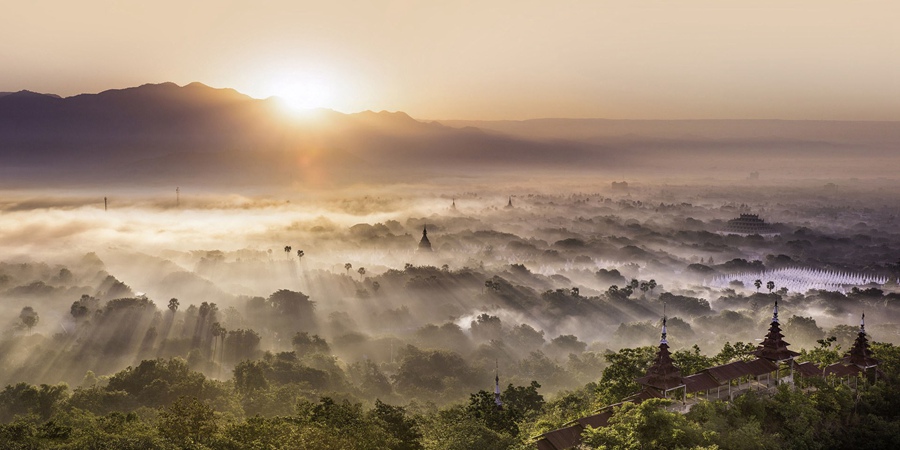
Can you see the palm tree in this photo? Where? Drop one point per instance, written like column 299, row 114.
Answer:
column 218, row 332
column 757, row 283
column 300, row 254
column 287, row 249
column 576, row 292
column 215, row 330
column 347, row 267
column 652, row 285
column 770, row 285
column 173, row 305
column 362, row 272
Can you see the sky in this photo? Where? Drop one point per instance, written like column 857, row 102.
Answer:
column 487, row 59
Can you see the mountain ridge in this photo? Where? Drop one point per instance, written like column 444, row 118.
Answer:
column 154, row 130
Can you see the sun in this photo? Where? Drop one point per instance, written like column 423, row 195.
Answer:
column 301, row 94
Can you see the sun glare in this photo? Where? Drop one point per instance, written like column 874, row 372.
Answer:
column 303, row 94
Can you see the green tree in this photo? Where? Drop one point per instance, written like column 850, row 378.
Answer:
column 455, row 428
column 738, row 351
column 404, row 429
column 691, row 361
column 803, row 331
column 188, row 423
column 823, row 354
column 304, row 344
column 624, row 367
column 645, row 426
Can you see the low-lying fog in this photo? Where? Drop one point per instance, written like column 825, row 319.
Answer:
column 543, row 286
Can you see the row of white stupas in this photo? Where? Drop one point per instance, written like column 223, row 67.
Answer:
column 799, row 279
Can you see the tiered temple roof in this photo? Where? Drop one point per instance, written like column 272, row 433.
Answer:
column 774, row 347
column 662, row 374
column 860, row 355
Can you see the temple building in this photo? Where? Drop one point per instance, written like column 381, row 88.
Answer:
column 425, row 244
column 662, row 376
column 858, row 362
column 748, row 225
column 774, row 348
column 860, row 355
column 734, row 378
column 509, row 205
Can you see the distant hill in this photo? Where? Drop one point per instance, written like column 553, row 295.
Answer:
column 165, row 133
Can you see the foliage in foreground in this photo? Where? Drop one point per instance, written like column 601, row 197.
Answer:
column 145, row 407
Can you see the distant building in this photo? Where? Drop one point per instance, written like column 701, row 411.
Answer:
column 748, row 225
column 509, row 205
column 425, row 244
column 498, row 402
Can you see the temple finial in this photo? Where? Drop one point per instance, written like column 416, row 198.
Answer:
column 663, row 339
column 862, row 323
column 497, row 401
column 775, row 313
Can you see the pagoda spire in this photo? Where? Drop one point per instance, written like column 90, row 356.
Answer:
column 497, row 401
column 662, row 375
column 774, row 347
column 775, row 313
column 425, row 244
column 662, row 339
column 860, row 355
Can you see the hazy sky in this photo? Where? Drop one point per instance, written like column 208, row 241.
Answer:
column 512, row 59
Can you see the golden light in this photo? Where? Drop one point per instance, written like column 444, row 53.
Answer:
column 301, row 94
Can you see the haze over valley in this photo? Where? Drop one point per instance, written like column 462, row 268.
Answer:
column 449, row 226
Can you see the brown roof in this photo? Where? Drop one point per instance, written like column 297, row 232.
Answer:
column 597, row 420
column 728, row 372
column 808, row 369
column 700, row 382
column 760, row 366
column 840, row 370
column 860, row 355
column 645, row 394
column 774, row 347
column 662, row 374
column 560, row 439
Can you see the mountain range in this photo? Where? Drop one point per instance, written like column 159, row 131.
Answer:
column 165, row 133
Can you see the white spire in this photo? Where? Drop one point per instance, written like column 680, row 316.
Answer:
column 662, row 339
column 775, row 314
